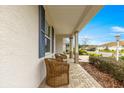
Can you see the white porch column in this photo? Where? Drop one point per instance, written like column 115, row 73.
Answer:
column 71, row 47
column 76, row 48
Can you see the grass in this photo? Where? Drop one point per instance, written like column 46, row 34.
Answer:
column 106, row 50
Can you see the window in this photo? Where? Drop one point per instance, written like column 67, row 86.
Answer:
column 47, row 37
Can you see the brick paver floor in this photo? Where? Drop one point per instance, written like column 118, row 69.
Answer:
column 79, row 78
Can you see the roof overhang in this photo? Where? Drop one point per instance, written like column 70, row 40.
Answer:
column 66, row 19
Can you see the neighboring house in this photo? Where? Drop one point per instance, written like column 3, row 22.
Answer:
column 28, row 34
column 89, row 47
column 111, row 46
column 101, row 47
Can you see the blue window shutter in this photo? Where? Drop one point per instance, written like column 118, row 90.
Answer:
column 41, row 32
column 52, row 40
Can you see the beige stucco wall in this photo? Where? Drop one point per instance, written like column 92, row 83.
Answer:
column 19, row 63
column 60, row 46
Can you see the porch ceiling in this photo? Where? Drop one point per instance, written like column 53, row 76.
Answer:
column 68, row 19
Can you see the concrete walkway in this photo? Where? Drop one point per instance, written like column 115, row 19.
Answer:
column 79, row 78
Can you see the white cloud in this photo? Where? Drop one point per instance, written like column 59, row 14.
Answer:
column 118, row 29
column 85, row 37
column 95, row 42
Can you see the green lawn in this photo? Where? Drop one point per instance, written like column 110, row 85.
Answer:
column 109, row 51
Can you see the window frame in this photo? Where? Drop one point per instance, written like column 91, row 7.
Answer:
column 48, row 37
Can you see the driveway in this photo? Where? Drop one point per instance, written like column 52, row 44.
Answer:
column 83, row 58
column 105, row 54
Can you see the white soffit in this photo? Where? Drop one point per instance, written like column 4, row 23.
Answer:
column 68, row 18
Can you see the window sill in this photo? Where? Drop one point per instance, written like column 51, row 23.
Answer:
column 48, row 53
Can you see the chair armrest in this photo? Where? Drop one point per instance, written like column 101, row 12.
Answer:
column 63, row 56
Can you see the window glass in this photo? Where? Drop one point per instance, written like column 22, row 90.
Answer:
column 47, row 37
column 47, row 45
column 47, row 29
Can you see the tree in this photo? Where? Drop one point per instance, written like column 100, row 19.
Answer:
column 85, row 40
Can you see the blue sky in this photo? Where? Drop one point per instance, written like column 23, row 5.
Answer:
column 102, row 28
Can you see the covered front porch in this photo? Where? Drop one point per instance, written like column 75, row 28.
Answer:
column 68, row 22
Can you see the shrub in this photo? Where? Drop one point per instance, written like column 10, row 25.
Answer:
column 93, row 60
column 107, row 50
column 112, row 50
column 82, row 52
column 122, row 50
column 122, row 57
column 109, row 65
column 93, row 54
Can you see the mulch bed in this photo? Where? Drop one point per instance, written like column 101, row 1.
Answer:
column 104, row 79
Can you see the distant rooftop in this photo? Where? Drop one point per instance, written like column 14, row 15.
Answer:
column 113, row 44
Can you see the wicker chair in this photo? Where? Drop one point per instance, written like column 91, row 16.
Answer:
column 61, row 57
column 57, row 73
